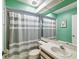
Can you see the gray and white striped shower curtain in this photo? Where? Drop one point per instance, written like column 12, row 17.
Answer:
column 23, row 34
column 49, row 28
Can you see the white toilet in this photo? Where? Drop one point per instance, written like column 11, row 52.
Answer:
column 34, row 54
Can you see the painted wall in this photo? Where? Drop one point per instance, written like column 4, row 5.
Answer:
column 15, row 4
column 52, row 15
column 65, row 34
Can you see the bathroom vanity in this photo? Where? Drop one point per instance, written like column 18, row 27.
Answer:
column 45, row 55
column 57, row 50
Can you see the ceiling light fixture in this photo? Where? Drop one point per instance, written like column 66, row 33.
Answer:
column 34, row 2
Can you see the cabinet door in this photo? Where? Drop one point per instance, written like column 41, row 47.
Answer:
column 42, row 57
column 45, row 56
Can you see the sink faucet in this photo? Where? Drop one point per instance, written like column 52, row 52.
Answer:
column 62, row 47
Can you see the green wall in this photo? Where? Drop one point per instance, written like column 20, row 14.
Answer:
column 15, row 4
column 52, row 15
column 65, row 34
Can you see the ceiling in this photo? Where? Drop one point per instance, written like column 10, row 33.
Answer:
column 43, row 7
column 68, row 7
column 33, row 3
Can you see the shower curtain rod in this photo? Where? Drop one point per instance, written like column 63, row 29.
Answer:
column 30, row 13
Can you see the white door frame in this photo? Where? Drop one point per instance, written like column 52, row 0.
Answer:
column 74, row 30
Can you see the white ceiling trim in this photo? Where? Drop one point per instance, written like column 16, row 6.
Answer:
column 51, row 5
column 43, row 5
column 68, row 7
column 30, row 2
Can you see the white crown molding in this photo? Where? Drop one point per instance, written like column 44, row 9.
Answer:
column 68, row 7
column 43, row 5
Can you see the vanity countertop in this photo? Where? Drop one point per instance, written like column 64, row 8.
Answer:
column 47, row 48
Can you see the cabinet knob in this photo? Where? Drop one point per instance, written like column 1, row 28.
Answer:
column 73, row 35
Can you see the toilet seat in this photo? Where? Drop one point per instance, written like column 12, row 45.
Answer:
column 34, row 54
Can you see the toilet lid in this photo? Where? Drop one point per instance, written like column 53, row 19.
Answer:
column 34, row 52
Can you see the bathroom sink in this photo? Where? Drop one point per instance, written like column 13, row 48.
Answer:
column 63, row 52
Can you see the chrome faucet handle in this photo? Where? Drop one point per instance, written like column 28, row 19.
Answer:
column 61, row 46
